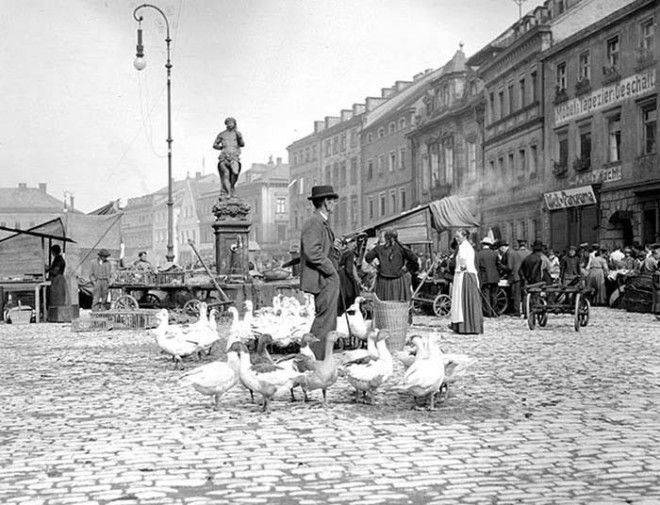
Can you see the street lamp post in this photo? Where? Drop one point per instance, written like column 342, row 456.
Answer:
column 139, row 64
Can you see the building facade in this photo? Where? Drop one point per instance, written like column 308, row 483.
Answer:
column 304, row 173
column 23, row 208
column 601, row 130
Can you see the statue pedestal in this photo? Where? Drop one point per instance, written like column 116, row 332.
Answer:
column 232, row 232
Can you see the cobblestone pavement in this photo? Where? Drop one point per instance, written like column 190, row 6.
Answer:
column 549, row 416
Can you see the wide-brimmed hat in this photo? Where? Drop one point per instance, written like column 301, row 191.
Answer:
column 537, row 245
column 104, row 253
column 322, row 192
column 501, row 243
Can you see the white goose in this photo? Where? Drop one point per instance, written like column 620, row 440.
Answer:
column 367, row 376
column 427, row 373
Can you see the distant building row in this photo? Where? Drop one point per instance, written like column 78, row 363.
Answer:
column 551, row 127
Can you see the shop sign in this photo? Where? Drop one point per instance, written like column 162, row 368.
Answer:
column 597, row 176
column 606, row 96
column 573, row 197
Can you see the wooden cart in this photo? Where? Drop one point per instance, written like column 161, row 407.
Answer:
column 542, row 299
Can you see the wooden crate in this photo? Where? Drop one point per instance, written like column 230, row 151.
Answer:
column 90, row 324
column 129, row 319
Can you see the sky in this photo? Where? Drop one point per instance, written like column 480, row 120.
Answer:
column 77, row 115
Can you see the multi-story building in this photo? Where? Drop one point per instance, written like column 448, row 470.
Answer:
column 265, row 186
column 387, row 176
column 603, row 171
column 446, row 138
column 22, row 207
column 513, row 141
column 340, row 158
column 304, row 173
column 137, row 226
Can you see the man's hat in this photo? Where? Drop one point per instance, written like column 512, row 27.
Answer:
column 584, row 245
column 319, row 192
column 487, row 240
column 104, row 253
column 537, row 245
column 142, row 252
column 572, row 248
column 595, row 246
column 501, row 243
column 627, row 250
column 522, row 242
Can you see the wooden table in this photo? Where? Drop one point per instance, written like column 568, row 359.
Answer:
column 39, row 293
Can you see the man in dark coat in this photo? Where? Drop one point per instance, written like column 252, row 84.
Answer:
column 319, row 255
column 531, row 269
column 489, row 275
column 510, row 264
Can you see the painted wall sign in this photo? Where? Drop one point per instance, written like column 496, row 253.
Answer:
column 573, row 197
column 606, row 96
column 597, row 176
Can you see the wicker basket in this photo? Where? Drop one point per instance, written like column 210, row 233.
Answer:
column 19, row 316
column 90, row 324
column 129, row 319
column 177, row 278
column 393, row 317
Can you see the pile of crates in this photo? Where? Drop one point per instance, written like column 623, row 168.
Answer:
column 139, row 319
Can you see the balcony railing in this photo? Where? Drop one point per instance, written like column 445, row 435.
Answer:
column 611, row 74
column 644, row 58
column 561, row 95
column 560, row 168
column 582, row 86
column 581, row 164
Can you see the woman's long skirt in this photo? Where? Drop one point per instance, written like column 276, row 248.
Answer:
column 394, row 289
column 473, row 318
column 596, row 281
column 58, row 291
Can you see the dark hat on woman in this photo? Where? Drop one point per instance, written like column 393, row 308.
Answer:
column 104, row 253
column 319, row 192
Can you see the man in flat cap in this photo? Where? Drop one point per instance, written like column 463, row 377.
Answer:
column 229, row 143
column 100, row 276
column 319, row 259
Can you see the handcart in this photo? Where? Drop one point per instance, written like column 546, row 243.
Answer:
column 542, row 299
column 432, row 292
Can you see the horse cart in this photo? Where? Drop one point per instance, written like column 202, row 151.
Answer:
column 542, row 299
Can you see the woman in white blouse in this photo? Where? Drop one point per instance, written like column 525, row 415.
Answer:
column 466, row 311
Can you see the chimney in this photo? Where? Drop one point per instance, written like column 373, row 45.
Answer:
column 373, row 102
column 417, row 77
column 386, row 92
column 401, row 85
column 270, row 159
column 198, row 175
column 42, row 187
column 358, row 108
column 22, row 185
column 346, row 114
column 279, row 160
column 331, row 121
column 319, row 126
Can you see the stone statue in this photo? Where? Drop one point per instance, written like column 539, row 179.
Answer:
column 229, row 143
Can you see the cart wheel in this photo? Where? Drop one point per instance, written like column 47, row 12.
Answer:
column 417, row 307
column 192, row 307
column 442, row 305
column 501, row 301
column 576, row 314
column 531, row 315
column 583, row 312
column 542, row 316
column 340, row 344
column 151, row 300
column 125, row 302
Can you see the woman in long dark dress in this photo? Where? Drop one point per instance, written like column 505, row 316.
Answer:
column 349, row 284
column 466, row 308
column 58, row 289
column 392, row 283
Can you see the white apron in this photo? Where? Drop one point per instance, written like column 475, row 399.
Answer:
column 465, row 263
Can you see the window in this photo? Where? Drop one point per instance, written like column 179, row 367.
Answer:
column 381, row 132
column 301, row 186
column 393, row 200
column 449, row 163
column 535, row 86
column 353, row 138
column 402, row 123
column 354, row 171
column 491, row 102
column 327, row 148
column 502, row 110
column 584, row 66
column 562, row 148
column 392, row 164
column 521, row 88
column 335, row 173
column 491, row 165
column 561, row 6
column 342, row 143
column 649, row 128
column 402, row 199
column 307, row 154
column 335, row 145
column 501, row 169
column 381, row 164
column 370, row 170
column 392, row 127
column 561, row 76
column 402, row 158
column 342, row 174
column 585, row 146
column 512, row 167
column 353, row 210
column 533, row 160
column 381, row 204
column 343, row 211
column 512, row 99
column 613, row 52
column 434, row 164
column 648, row 35
column 522, row 163
column 370, row 138
column 614, row 138
column 371, row 208
column 328, row 175
column 471, row 160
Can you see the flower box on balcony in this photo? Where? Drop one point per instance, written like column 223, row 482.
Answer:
column 561, row 95
column 560, row 168
column 582, row 86
column 581, row 164
column 611, row 74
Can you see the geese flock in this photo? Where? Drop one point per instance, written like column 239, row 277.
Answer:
column 428, row 371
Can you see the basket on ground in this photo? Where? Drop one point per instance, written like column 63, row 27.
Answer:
column 19, row 316
column 393, row 317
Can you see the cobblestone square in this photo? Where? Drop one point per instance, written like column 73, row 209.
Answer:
column 546, row 416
